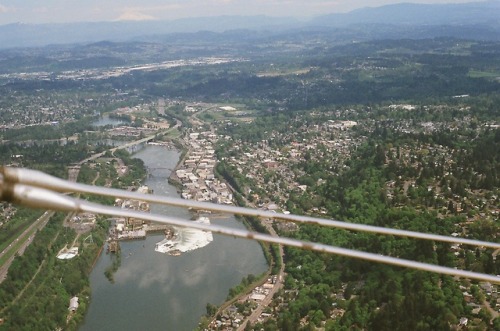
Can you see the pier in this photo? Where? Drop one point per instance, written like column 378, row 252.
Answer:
column 153, row 228
column 140, row 233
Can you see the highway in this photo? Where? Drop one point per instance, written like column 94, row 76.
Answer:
column 18, row 246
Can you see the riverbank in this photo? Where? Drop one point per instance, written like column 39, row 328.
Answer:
column 172, row 178
column 254, row 296
column 39, row 270
column 195, row 173
column 173, row 289
column 196, row 152
column 195, row 176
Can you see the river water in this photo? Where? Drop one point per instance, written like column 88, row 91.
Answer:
column 155, row 291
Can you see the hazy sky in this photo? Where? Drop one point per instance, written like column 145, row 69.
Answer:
column 56, row 11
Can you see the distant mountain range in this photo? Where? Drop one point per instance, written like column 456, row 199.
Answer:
column 477, row 20
column 484, row 13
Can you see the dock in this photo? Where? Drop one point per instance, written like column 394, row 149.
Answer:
column 139, row 234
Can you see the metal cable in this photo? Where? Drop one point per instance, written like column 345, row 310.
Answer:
column 36, row 189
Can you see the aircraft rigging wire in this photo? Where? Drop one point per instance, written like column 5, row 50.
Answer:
column 39, row 190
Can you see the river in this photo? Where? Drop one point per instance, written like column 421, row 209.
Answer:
column 155, row 291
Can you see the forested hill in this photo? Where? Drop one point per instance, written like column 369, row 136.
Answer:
column 386, row 171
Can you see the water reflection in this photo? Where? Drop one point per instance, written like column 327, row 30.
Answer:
column 156, row 291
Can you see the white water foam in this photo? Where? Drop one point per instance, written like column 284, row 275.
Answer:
column 186, row 240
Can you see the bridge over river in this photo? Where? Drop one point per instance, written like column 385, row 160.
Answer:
column 133, row 143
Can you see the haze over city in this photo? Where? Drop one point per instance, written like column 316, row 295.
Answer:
column 57, row 11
